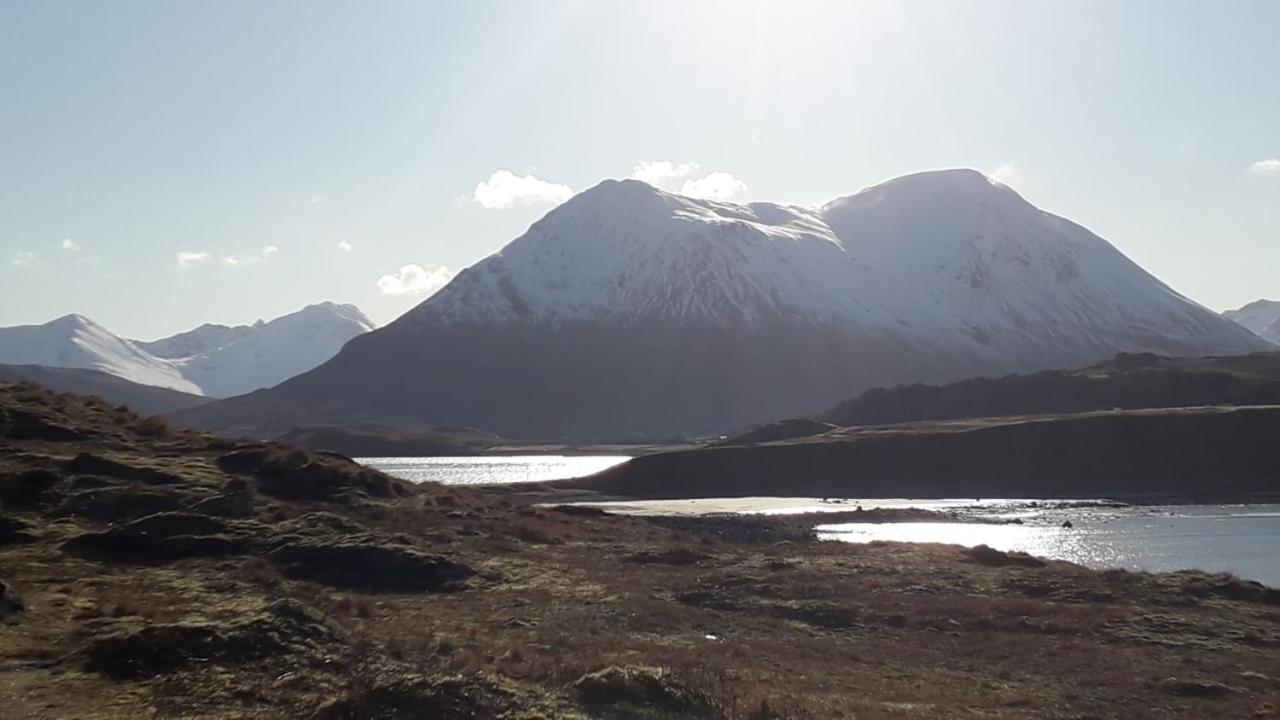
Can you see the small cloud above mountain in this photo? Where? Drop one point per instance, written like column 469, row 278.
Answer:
column 22, row 258
column 714, row 186
column 1266, row 167
column 187, row 259
column 344, row 246
column 659, row 173
column 505, row 189
column 414, row 279
column 678, row 177
column 70, row 245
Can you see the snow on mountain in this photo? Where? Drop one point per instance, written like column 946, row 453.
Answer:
column 203, row 339
column 1260, row 316
column 631, row 312
column 948, row 256
column 75, row 341
column 213, row 360
column 271, row 352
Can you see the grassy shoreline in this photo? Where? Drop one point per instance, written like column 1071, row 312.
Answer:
column 162, row 573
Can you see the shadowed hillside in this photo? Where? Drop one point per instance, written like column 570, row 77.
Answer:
column 1128, row 381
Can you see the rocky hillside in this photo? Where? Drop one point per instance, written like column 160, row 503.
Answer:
column 153, row 572
column 1127, row 381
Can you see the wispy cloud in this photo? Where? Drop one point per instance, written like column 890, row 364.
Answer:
column 187, row 259
column 344, row 246
column 257, row 258
column 662, row 173
column 22, row 258
column 504, row 189
column 1007, row 174
column 713, row 186
column 1270, row 165
column 70, row 245
column 414, row 279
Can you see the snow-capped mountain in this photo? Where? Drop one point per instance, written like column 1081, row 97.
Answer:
column 629, row 311
column 223, row 361
column 203, row 339
column 1260, row 316
column 75, row 341
column 270, row 352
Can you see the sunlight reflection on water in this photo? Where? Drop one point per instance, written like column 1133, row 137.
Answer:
column 490, row 469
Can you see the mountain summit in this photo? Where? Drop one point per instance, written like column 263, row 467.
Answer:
column 213, row 360
column 631, row 312
column 1260, row 316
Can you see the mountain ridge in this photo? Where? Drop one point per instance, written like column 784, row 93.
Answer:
column 631, row 312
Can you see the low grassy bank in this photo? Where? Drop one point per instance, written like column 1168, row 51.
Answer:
column 151, row 572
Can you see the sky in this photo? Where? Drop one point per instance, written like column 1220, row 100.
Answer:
column 165, row 164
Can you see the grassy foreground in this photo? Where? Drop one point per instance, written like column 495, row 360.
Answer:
column 153, row 572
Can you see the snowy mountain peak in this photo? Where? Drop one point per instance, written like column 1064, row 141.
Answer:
column 948, row 255
column 212, row 359
column 75, row 341
column 1260, row 316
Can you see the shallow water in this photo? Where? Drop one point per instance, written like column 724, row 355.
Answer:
column 491, row 469
column 1243, row 539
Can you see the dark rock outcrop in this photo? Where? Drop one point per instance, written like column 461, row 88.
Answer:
column 303, row 475
column 369, row 562
column 90, row 464
column 417, row 697
column 633, row 689
column 281, row 628
column 10, row 600
column 163, row 538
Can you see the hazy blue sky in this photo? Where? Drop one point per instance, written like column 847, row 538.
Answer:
column 294, row 152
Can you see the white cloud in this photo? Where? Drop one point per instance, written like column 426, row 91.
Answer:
column 661, row 173
column 713, row 186
column 504, row 189
column 252, row 258
column 191, row 259
column 1007, row 174
column 22, row 258
column 70, row 245
column 414, row 279
column 344, row 246
column 1270, row 165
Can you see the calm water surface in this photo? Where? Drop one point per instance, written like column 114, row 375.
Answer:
column 491, row 469
column 1243, row 539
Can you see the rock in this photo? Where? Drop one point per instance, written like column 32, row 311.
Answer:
column 90, row 464
column 162, row 538
column 117, row 503
column 281, row 628
column 368, row 562
column 10, row 601
column 19, row 425
column 229, row 505
column 652, row 691
column 29, row 490
column 417, row 697
column 14, row 530
column 1196, row 688
column 984, row 555
column 303, row 475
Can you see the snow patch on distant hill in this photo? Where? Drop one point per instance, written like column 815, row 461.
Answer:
column 213, row 360
column 1260, row 316
column 75, row 341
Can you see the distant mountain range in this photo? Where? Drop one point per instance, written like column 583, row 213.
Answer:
column 212, row 360
column 1261, row 316
column 628, row 312
column 142, row 399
